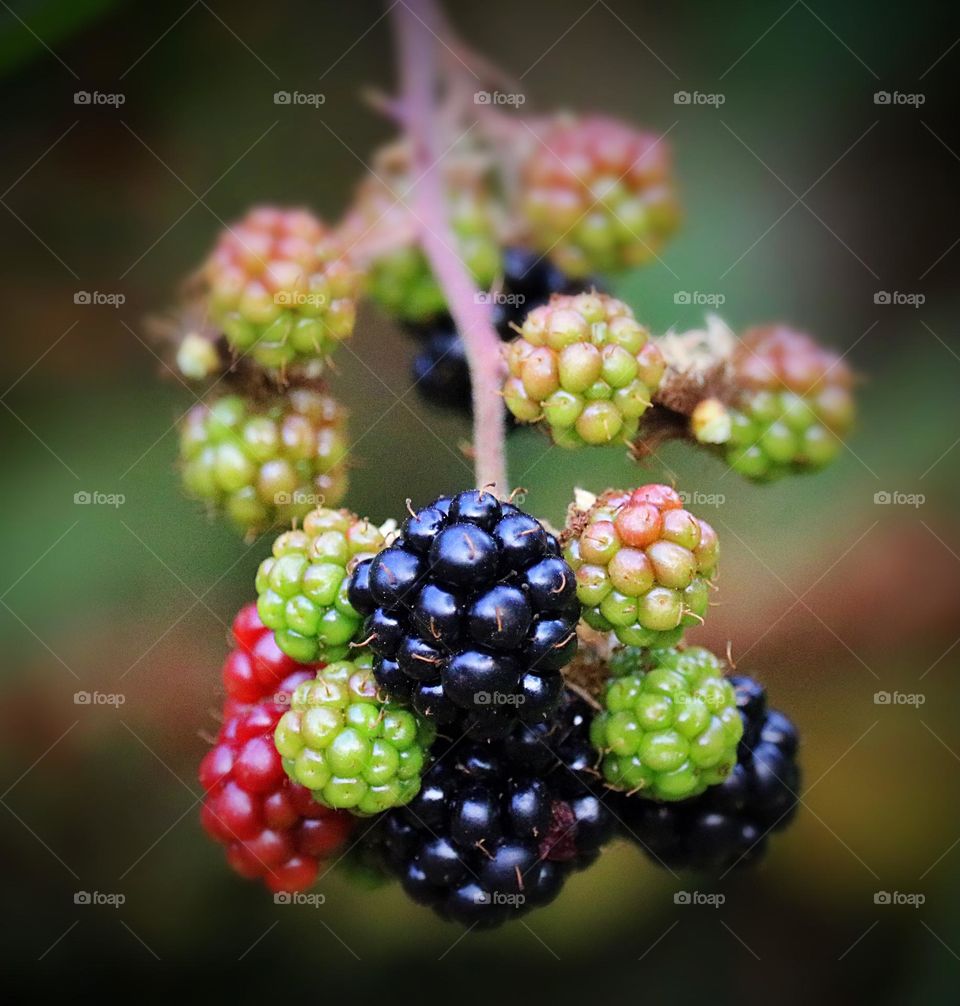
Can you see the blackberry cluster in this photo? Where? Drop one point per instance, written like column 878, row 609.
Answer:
column 730, row 823
column 793, row 407
column 302, row 587
column 440, row 367
column 586, row 366
column 351, row 748
column 273, row 830
column 281, row 287
column 670, row 727
column 643, row 564
column 598, row 194
column 265, row 463
column 472, row 613
column 498, row 826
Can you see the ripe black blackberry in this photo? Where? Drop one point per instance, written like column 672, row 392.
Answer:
column 472, row 614
column 440, row 367
column 559, row 749
column 729, row 824
column 496, row 828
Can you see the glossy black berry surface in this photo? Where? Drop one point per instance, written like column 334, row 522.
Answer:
column 471, row 613
column 499, row 825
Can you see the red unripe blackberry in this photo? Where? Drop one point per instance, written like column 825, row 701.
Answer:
column 272, row 828
column 598, row 194
column 281, row 287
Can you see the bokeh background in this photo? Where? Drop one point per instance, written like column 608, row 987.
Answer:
column 803, row 200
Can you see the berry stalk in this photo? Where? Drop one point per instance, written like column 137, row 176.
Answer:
column 418, row 74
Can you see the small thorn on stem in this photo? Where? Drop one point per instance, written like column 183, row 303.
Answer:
column 730, row 660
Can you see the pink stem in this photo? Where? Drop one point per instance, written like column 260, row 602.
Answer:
column 415, row 22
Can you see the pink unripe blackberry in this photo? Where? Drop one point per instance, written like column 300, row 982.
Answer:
column 281, row 287
column 585, row 366
column 793, row 404
column 643, row 564
column 598, row 194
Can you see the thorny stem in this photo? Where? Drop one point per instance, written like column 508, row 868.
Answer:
column 418, row 23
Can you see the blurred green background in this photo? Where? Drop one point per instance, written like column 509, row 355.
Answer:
column 803, row 200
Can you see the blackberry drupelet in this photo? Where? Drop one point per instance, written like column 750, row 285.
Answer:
column 472, row 614
column 256, row 667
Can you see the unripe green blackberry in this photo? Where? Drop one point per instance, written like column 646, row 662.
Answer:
column 585, row 366
column 669, row 728
column 265, row 463
column 302, row 587
column 351, row 748
column 793, row 405
column 378, row 229
column 403, row 283
column 598, row 194
column 281, row 287
column 643, row 564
